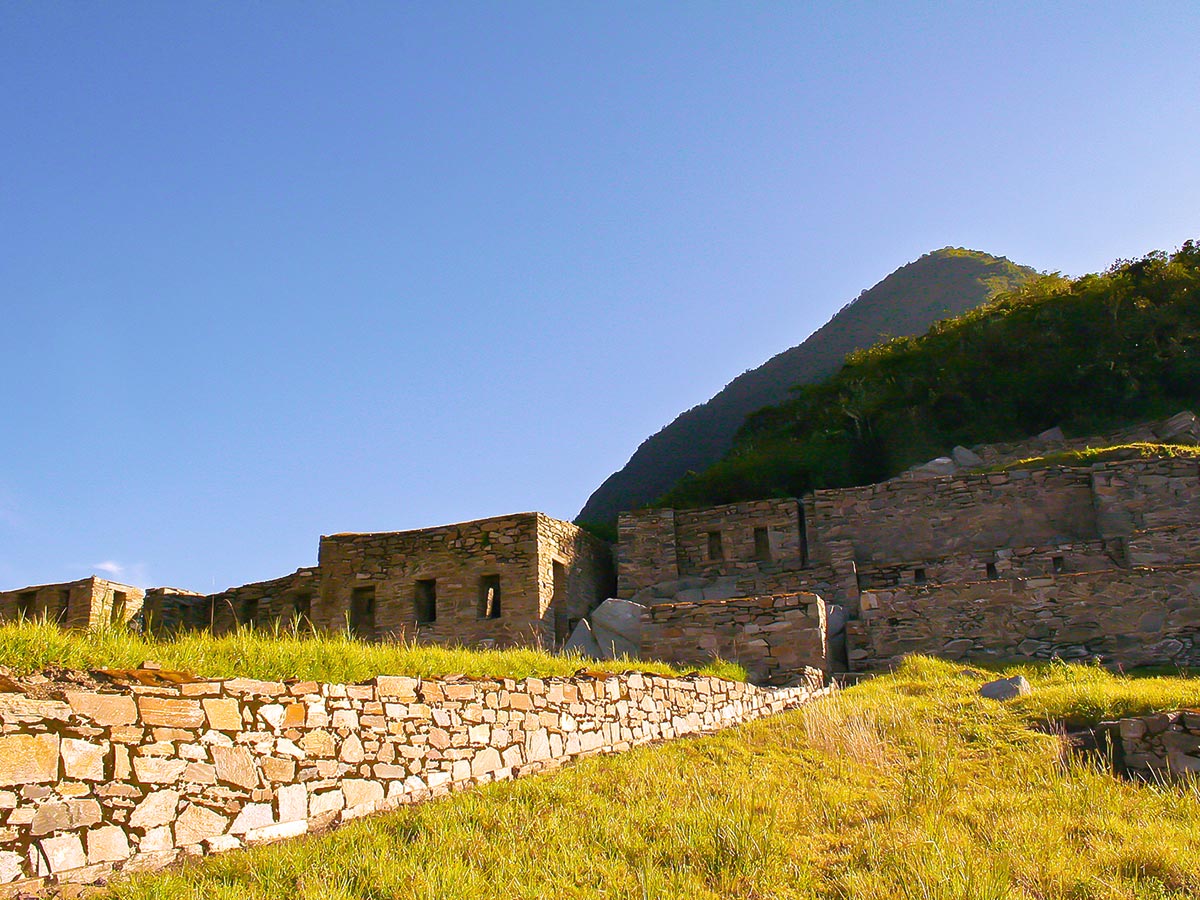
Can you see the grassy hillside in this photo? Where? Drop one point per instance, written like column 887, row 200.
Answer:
column 907, row 786
column 939, row 284
column 1090, row 353
column 32, row 646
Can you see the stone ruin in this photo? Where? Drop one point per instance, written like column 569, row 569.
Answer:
column 959, row 558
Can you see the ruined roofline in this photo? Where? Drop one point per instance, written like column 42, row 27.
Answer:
column 309, row 570
column 350, row 535
column 77, row 582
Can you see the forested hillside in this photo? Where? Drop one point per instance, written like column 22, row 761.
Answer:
column 939, row 284
column 1090, row 353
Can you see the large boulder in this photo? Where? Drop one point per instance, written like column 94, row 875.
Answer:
column 617, row 628
column 582, row 641
column 1006, row 688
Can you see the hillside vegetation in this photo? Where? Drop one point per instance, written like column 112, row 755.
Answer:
column 27, row 647
column 907, row 786
column 1088, row 354
column 939, row 284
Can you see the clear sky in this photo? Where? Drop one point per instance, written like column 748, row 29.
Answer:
column 272, row 270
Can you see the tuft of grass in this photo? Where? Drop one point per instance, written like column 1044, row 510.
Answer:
column 909, row 785
column 1091, row 455
column 31, row 646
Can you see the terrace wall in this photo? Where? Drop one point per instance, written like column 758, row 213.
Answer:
column 1132, row 617
column 778, row 639
column 138, row 777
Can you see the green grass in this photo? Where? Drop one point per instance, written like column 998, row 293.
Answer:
column 906, row 786
column 1090, row 455
column 32, row 646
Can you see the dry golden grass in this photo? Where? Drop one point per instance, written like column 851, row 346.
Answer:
column 907, row 786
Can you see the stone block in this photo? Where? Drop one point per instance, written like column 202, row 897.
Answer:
column 1006, row 688
column 103, row 709
column 107, row 844
column 198, row 823
column 582, row 641
column 359, row 791
column 222, row 713
column 278, row 770
column 277, row 832
column 397, row 687
column 485, row 761
column 63, row 853
column 253, row 815
column 235, row 766
column 292, row 802
column 28, row 758
column 318, row 743
column 83, row 760
column 157, row 770
column 12, row 866
column 326, row 802
column 172, row 713
column 157, row 809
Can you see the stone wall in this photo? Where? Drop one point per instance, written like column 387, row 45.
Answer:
column 455, row 565
column 87, row 603
column 665, row 545
column 916, row 519
column 575, row 574
column 138, row 777
column 1163, row 546
column 1163, row 744
column 776, row 638
column 433, row 585
column 1143, row 495
column 287, row 600
column 1129, row 617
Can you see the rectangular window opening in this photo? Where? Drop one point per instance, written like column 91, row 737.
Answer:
column 64, row 603
column 1059, row 565
column 119, row 601
column 716, row 550
column 25, row 604
column 362, row 613
column 489, row 597
column 558, row 603
column 919, row 576
column 302, row 606
column 248, row 614
column 992, row 574
column 762, row 544
column 425, row 601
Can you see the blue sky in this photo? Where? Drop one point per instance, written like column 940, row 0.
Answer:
column 274, row 270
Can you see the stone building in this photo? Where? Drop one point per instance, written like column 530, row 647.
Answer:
column 518, row 580
column 1077, row 561
column 87, row 603
column 524, row 579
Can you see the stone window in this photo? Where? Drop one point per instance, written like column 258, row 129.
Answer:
column 919, row 576
column 25, row 603
column 762, row 544
column 249, row 611
column 559, row 602
column 120, row 600
column 992, row 574
column 716, row 550
column 1059, row 565
column 489, row 597
column 302, row 606
column 425, row 601
column 64, row 604
column 362, row 613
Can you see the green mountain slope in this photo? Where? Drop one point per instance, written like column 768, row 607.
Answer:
column 1089, row 354
column 939, row 284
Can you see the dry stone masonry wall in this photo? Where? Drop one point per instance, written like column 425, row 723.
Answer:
column 778, row 639
column 1164, row 744
column 1133, row 617
column 135, row 778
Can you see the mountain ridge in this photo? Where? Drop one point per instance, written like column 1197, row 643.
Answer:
column 939, row 284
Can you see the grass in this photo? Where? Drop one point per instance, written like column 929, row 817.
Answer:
column 908, row 786
column 1091, row 455
column 32, row 646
